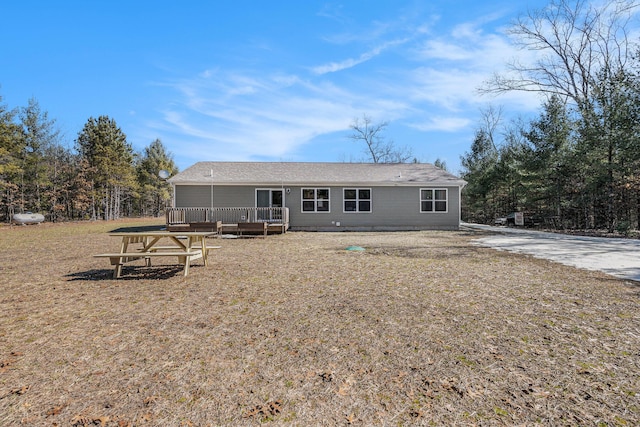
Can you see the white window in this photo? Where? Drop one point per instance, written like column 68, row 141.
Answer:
column 357, row 200
column 315, row 200
column 433, row 200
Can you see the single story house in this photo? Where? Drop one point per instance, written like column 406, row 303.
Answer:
column 328, row 196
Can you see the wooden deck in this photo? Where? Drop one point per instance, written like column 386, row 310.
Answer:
column 238, row 221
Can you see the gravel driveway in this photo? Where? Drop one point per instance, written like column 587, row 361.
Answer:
column 618, row 257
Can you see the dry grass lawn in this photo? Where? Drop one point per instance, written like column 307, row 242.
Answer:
column 422, row 328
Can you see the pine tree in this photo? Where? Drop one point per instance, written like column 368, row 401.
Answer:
column 548, row 161
column 11, row 147
column 40, row 141
column 110, row 158
column 479, row 171
column 154, row 190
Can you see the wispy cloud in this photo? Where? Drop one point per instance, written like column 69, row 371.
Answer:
column 430, row 87
column 279, row 114
column 333, row 67
column 454, row 65
column 441, row 124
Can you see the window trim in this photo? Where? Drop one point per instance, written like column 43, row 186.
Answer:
column 357, row 200
column 434, row 189
column 315, row 200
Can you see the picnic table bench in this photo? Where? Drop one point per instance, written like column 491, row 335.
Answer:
column 121, row 258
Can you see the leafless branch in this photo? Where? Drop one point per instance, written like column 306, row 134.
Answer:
column 377, row 147
column 573, row 41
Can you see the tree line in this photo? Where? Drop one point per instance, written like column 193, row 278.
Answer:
column 100, row 177
column 577, row 164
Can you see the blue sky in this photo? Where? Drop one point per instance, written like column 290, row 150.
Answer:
column 263, row 80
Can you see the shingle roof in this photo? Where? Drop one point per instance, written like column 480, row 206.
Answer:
column 292, row 173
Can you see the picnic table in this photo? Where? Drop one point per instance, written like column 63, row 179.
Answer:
column 186, row 246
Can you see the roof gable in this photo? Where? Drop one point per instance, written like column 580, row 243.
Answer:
column 310, row 173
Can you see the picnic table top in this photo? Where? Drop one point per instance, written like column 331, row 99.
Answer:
column 162, row 233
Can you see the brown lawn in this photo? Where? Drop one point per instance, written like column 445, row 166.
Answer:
column 422, row 328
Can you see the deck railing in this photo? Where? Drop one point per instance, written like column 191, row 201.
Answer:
column 227, row 215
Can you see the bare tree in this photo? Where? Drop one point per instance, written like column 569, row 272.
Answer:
column 581, row 49
column 491, row 118
column 573, row 42
column 377, row 147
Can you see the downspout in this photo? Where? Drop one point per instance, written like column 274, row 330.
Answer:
column 460, row 187
column 211, row 214
column 283, row 207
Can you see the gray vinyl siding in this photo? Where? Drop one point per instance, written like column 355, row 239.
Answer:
column 199, row 196
column 192, row 196
column 392, row 207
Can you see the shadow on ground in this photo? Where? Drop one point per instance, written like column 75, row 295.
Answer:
column 129, row 273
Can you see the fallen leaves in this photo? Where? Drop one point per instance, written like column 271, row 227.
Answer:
column 449, row 384
column 326, row 377
column 5, row 364
column 270, row 409
column 55, row 410
column 149, row 400
column 22, row 390
column 345, row 388
column 416, row 413
column 19, row 391
column 84, row 421
column 536, row 392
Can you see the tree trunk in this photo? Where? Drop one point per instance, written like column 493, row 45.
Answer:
column 610, row 191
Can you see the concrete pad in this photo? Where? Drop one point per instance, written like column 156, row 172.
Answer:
column 617, row 257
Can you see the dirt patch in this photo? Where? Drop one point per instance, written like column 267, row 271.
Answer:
column 420, row 328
